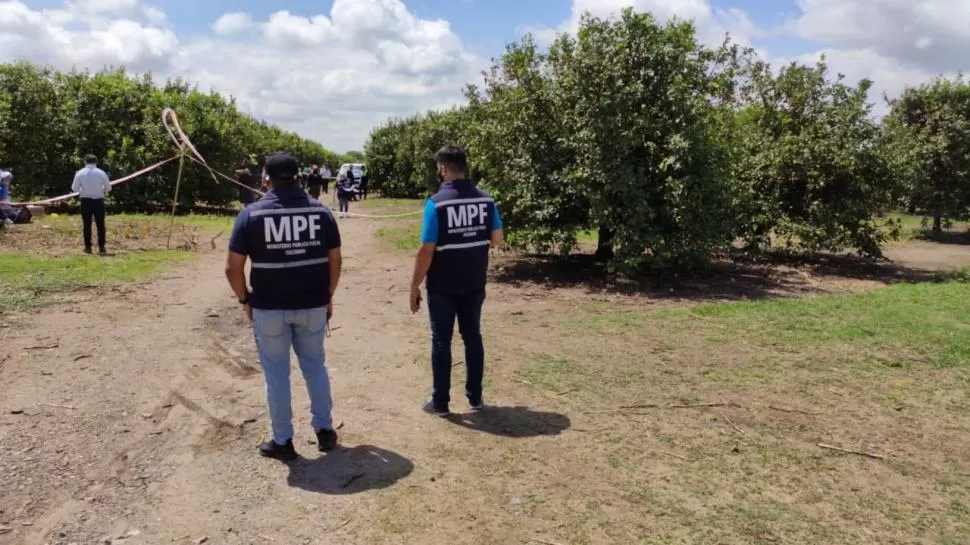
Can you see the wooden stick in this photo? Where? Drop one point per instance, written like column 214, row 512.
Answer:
column 59, row 406
column 699, row 405
column 674, row 454
column 82, row 356
column 527, row 383
column 542, row 542
column 341, row 525
column 848, row 451
column 728, row 420
column 42, row 347
column 564, row 392
column 790, row 410
column 175, row 199
column 641, row 406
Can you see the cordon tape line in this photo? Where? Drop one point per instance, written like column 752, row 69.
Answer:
column 131, row 176
column 182, row 141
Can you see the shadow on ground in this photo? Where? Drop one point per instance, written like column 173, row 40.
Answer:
column 957, row 238
column 516, row 422
column 349, row 470
column 773, row 275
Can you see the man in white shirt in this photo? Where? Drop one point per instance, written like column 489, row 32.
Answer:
column 91, row 183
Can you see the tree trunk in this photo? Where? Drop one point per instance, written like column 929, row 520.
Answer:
column 604, row 245
column 937, row 225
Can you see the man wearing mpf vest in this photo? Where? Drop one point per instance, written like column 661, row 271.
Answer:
column 293, row 243
column 460, row 222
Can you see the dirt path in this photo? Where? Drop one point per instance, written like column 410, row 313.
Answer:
column 131, row 416
column 141, row 408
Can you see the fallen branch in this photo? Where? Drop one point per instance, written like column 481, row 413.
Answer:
column 849, row 451
column 675, row 455
column 542, row 542
column 700, row 405
column 213, row 241
column 59, row 406
column 732, row 424
column 527, row 383
column 82, row 356
column 42, row 347
column 569, row 391
column 339, row 526
column 618, row 411
column 790, row 410
column 642, row 406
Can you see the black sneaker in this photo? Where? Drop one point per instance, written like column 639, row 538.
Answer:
column 431, row 408
column 326, row 440
column 87, row 249
column 476, row 403
column 271, row 449
column 103, row 251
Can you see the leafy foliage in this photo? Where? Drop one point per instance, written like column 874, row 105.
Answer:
column 49, row 120
column 806, row 161
column 400, row 153
column 927, row 138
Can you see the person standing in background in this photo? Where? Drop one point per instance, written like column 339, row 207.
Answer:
column 247, row 174
column 345, row 192
column 92, row 184
column 460, row 222
column 364, row 181
column 5, row 178
column 315, row 182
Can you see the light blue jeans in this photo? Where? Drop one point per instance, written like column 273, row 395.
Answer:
column 303, row 330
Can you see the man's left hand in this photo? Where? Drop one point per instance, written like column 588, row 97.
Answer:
column 249, row 311
column 415, row 299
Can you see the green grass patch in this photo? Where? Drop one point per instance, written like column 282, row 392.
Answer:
column 28, row 281
column 402, row 238
column 916, row 227
column 379, row 203
column 927, row 322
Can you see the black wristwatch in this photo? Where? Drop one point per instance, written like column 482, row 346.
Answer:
column 244, row 301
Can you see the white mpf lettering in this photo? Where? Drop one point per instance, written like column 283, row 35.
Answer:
column 314, row 226
column 291, row 228
column 300, row 224
column 466, row 214
column 277, row 232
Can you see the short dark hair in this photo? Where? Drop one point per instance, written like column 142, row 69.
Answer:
column 452, row 157
column 90, row 159
column 282, row 168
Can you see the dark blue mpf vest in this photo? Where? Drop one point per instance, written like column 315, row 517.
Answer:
column 465, row 217
column 289, row 235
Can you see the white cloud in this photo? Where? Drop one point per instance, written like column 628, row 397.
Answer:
column 331, row 77
column 232, row 23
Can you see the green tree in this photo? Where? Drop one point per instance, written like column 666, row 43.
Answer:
column 615, row 129
column 49, row 120
column 927, row 135
column 807, row 162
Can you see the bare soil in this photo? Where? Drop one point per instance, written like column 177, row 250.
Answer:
column 130, row 415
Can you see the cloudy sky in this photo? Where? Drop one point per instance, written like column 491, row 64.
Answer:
column 331, row 69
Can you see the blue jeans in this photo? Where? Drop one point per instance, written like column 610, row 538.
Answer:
column 303, row 330
column 344, row 201
column 443, row 310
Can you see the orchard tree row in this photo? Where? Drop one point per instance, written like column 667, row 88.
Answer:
column 673, row 151
column 49, row 120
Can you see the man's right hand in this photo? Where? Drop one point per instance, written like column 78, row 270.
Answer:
column 330, row 310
